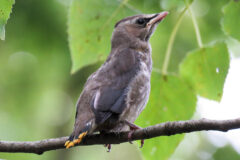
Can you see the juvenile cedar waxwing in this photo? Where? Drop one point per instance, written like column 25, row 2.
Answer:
column 115, row 95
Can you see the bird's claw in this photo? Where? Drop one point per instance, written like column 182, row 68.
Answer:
column 130, row 138
column 142, row 143
column 130, row 142
column 109, row 147
column 69, row 144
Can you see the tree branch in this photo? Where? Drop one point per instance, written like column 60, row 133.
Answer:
column 163, row 129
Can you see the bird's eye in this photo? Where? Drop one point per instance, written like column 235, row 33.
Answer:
column 140, row 21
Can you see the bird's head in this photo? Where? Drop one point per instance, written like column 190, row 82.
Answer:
column 138, row 27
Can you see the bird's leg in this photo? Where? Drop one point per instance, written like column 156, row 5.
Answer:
column 132, row 127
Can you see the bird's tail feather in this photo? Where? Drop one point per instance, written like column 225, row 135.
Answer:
column 76, row 138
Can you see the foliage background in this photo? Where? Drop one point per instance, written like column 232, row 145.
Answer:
column 51, row 47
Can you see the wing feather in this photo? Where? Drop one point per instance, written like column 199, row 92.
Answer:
column 110, row 98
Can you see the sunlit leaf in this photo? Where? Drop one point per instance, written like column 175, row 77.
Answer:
column 231, row 19
column 171, row 99
column 206, row 70
column 90, row 28
column 5, row 10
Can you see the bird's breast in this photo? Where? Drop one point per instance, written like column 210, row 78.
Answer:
column 138, row 93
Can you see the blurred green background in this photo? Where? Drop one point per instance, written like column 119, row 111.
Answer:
column 38, row 92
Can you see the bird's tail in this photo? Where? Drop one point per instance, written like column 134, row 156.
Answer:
column 77, row 136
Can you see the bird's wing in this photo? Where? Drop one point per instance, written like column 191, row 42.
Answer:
column 111, row 95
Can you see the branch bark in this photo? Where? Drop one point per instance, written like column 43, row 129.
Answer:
column 162, row 129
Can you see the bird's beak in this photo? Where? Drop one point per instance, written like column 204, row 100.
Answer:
column 157, row 18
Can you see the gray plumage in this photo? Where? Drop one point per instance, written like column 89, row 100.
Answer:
column 118, row 91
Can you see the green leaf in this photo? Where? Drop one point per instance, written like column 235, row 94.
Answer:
column 226, row 152
column 5, row 10
column 172, row 4
column 231, row 19
column 91, row 23
column 90, row 28
column 171, row 99
column 206, row 70
column 145, row 6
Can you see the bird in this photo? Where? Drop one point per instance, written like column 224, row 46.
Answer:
column 115, row 94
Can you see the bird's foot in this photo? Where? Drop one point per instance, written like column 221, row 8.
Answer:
column 69, row 143
column 109, row 147
column 133, row 128
column 142, row 143
column 130, row 137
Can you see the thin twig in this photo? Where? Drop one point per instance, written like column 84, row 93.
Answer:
column 163, row 129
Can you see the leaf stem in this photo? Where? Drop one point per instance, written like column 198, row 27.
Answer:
column 171, row 41
column 197, row 31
